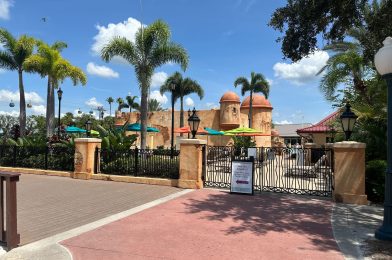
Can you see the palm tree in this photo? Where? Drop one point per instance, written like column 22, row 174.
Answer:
column 49, row 63
column 347, row 66
column 110, row 100
column 154, row 105
column 182, row 88
column 257, row 84
column 151, row 49
column 120, row 102
column 132, row 103
column 13, row 57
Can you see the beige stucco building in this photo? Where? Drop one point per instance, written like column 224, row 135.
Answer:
column 231, row 114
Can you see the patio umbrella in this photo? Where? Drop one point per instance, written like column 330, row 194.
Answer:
column 211, row 131
column 93, row 132
column 74, row 129
column 243, row 131
column 136, row 127
column 187, row 130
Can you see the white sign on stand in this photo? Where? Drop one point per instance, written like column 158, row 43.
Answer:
column 242, row 176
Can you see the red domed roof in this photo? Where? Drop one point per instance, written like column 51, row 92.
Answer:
column 230, row 96
column 258, row 101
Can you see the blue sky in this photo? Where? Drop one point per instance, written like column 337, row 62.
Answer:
column 224, row 39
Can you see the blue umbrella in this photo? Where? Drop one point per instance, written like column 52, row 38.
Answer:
column 74, row 129
column 211, row 131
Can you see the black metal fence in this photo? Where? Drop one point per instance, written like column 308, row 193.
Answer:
column 160, row 163
column 287, row 170
column 39, row 157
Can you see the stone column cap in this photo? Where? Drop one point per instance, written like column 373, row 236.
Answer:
column 88, row 140
column 349, row 144
column 193, row 141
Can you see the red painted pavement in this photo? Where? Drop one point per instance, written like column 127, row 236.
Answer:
column 210, row 224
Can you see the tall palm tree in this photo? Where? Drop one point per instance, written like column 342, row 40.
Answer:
column 182, row 88
column 110, row 100
column 132, row 103
column 346, row 66
column 120, row 102
column 14, row 55
column 151, row 49
column 49, row 63
column 257, row 83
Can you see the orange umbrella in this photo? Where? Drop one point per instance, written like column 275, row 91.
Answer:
column 187, row 130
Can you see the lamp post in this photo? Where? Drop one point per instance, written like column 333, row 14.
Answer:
column 194, row 122
column 383, row 62
column 173, row 88
column 59, row 95
column 88, row 127
column 348, row 119
column 189, row 114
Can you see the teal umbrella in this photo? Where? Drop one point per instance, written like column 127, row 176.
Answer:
column 74, row 129
column 136, row 127
column 211, row 131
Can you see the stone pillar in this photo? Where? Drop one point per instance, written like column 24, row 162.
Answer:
column 349, row 172
column 191, row 163
column 85, row 157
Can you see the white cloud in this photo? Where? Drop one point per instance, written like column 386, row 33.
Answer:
column 101, row 71
column 93, row 102
column 5, row 6
column 160, row 98
column 7, row 96
column 2, row 71
column 304, row 70
column 125, row 29
column 211, row 105
column 38, row 110
column 158, row 79
column 189, row 102
column 13, row 113
column 283, row 122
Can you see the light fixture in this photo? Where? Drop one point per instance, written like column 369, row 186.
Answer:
column 88, row 127
column 348, row 119
column 194, row 122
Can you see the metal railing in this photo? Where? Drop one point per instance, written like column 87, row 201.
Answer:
column 287, row 170
column 8, row 217
column 38, row 157
column 159, row 163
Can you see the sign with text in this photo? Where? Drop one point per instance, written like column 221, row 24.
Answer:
column 242, row 176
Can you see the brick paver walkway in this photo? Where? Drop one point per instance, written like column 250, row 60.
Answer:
column 210, row 224
column 49, row 205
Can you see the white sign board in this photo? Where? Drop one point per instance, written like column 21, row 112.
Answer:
column 242, row 177
column 252, row 152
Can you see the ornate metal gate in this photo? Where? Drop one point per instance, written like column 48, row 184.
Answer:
column 287, row 170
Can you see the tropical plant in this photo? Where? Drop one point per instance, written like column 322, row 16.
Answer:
column 182, row 88
column 152, row 48
column 110, row 100
column 132, row 103
column 13, row 57
column 48, row 62
column 257, row 84
column 154, row 105
column 346, row 66
column 116, row 139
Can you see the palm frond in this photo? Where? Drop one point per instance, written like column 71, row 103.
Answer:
column 120, row 46
column 7, row 39
column 7, row 61
column 244, row 83
column 191, row 86
column 169, row 52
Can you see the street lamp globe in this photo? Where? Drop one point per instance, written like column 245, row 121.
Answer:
column 348, row 119
column 383, row 63
column 59, row 93
column 194, row 122
column 383, row 58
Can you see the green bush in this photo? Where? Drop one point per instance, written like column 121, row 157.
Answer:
column 375, row 180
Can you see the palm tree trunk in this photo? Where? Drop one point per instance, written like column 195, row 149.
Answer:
column 143, row 115
column 110, row 108
column 250, row 109
column 182, row 112
column 50, row 109
column 22, row 105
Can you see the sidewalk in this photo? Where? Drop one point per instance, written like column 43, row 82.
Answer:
column 211, row 224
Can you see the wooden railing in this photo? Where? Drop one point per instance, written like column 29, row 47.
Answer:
column 9, row 234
